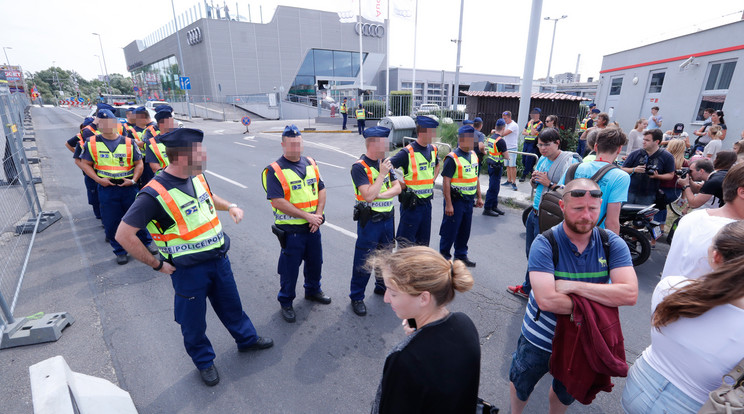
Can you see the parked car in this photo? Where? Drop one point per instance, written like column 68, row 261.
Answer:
column 427, row 108
column 155, row 104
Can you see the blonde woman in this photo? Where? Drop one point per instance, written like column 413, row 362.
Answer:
column 716, row 141
column 739, row 149
column 436, row 368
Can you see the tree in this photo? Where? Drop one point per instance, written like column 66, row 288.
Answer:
column 51, row 81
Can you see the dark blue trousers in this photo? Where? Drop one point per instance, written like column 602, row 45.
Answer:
column 92, row 190
column 414, row 227
column 300, row 246
column 529, row 162
column 581, row 147
column 532, row 230
column 345, row 118
column 494, row 186
column 360, row 126
column 455, row 229
column 373, row 236
column 115, row 201
column 212, row 279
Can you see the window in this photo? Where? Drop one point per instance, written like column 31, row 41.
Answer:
column 342, row 64
column 716, row 86
column 323, row 63
column 616, row 86
column 657, row 81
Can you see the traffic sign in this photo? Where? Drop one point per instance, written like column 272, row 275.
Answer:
column 81, row 100
column 185, row 82
column 246, row 121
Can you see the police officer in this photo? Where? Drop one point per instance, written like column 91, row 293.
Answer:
column 298, row 197
column 479, row 140
column 361, row 116
column 115, row 164
column 155, row 155
column 344, row 112
column 460, row 187
column 131, row 118
column 530, row 133
column 142, row 132
column 180, row 212
column 496, row 153
column 420, row 168
column 585, row 124
column 75, row 145
column 375, row 186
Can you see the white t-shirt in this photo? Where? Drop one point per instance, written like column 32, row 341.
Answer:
column 712, row 149
column 688, row 254
column 512, row 139
column 694, row 353
column 635, row 141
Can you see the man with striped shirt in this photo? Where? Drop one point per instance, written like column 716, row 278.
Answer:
column 582, row 268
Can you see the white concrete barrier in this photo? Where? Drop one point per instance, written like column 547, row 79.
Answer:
column 56, row 389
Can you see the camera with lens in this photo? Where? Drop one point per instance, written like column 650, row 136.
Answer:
column 651, row 169
column 682, row 173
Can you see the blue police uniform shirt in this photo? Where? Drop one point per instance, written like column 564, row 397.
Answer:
column 146, row 208
column 359, row 174
column 402, row 159
column 111, row 145
column 274, row 187
column 641, row 183
column 614, row 185
column 500, row 147
column 449, row 167
column 590, row 266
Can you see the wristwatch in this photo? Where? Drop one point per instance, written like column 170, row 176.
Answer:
column 233, row 205
column 685, row 187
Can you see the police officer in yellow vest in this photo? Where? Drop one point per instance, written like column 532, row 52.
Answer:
column 460, row 187
column 361, row 116
column 155, row 156
column 131, row 120
column 298, row 197
column 375, row 186
column 530, row 133
column 585, row 124
column 344, row 112
column 180, row 211
column 420, row 168
column 142, row 132
column 496, row 153
column 115, row 164
column 76, row 145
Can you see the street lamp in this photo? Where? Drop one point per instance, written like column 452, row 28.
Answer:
column 6, row 54
column 555, row 23
column 108, row 88
column 100, row 65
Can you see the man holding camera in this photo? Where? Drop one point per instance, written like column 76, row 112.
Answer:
column 706, row 182
column 648, row 166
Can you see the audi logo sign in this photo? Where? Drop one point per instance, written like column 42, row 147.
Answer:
column 194, row 36
column 371, row 30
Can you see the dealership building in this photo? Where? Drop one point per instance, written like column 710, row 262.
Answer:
column 682, row 76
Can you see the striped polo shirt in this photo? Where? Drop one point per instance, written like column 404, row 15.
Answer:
column 591, row 266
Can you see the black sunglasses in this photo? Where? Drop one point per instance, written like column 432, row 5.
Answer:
column 582, row 193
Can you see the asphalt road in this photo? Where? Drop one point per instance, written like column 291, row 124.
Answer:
column 329, row 361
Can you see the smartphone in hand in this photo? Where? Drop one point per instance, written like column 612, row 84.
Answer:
column 412, row 323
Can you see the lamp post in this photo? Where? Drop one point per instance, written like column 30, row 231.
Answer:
column 555, row 23
column 108, row 87
column 5, row 48
column 100, row 65
column 182, row 65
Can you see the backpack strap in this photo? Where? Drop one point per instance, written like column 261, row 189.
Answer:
column 605, row 237
column 602, row 171
column 571, row 172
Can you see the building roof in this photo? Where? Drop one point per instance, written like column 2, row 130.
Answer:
column 545, row 95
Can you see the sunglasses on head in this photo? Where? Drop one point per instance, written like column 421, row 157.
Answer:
column 582, row 193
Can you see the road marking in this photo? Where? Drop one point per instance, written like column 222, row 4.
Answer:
column 329, row 164
column 73, row 113
column 328, row 147
column 219, row 132
column 207, row 109
column 250, row 138
column 245, row 145
column 340, row 230
column 225, row 179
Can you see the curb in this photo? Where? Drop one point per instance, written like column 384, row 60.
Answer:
column 510, row 201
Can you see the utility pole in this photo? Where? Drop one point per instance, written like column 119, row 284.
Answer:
column 525, row 91
column 550, row 61
column 108, row 86
column 182, row 66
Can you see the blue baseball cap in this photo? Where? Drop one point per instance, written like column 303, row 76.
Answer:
column 536, row 111
column 130, row 109
column 426, row 122
column 500, row 122
column 467, row 122
column 105, row 114
column 477, row 119
column 592, row 105
column 291, row 131
column 163, row 112
column 141, row 110
column 465, row 129
column 182, row 137
column 595, row 111
column 376, row 131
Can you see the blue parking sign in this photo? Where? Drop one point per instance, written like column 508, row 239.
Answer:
column 185, row 82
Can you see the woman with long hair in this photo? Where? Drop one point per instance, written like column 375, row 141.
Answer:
column 436, row 368
column 697, row 333
column 635, row 136
column 717, row 119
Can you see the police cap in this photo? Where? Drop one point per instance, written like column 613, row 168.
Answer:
column 87, row 121
column 536, row 111
column 477, row 119
column 141, row 110
column 467, row 122
column 105, row 114
column 500, row 122
column 595, row 111
column 182, row 137
column 465, row 129
column 291, row 131
column 376, row 131
column 163, row 112
column 426, row 122
column 104, row 106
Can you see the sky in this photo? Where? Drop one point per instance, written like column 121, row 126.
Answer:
column 494, row 36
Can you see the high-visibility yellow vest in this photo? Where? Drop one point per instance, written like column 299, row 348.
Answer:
column 381, row 205
column 583, row 126
column 420, row 175
column 137, row 135
column 343, row 108
column 116, row 164
column 532, row 131
column 361, row 114
column 465, row 179
column 158, row 148
column 196, row 227
column 492, row 149
column 301, row 192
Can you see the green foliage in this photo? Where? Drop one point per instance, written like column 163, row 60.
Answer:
column 401, row 103
column 448, row 134
column 569, row 139
column 51, row 81
column 376, row 108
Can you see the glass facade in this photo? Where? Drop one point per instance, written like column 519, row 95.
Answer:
column 324, row 64
column 158, row 80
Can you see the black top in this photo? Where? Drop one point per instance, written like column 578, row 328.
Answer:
column 436, row 370
column 714, row 186
column 146, row 208
column 642, row 183
column 359, row 173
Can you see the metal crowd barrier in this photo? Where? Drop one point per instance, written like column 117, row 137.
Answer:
column 530, row 154
column 21, row 217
